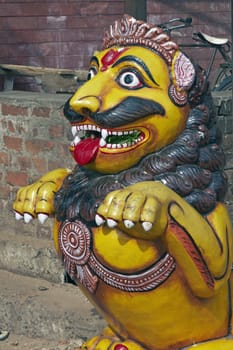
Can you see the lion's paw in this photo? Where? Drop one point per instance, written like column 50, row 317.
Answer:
column 36, row 200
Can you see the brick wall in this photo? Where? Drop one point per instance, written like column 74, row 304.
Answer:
column 59, row 34
column 34, row 139
column 63, row 34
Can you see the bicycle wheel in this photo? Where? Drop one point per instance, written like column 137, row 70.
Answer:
column 225, row 84
column 223, row 78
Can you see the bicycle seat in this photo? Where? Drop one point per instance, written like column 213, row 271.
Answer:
column 211, row 39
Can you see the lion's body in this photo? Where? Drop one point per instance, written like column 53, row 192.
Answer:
column 154, row 317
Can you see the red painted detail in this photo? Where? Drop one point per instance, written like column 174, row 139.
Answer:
column 110, row 57
column 120, row 347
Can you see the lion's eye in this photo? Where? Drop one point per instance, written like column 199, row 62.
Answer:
column 130, row 80
column 91, row 73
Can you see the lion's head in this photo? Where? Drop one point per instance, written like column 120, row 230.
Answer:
column 145, row 113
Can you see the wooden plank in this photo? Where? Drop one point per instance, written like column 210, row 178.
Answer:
column 47, row 79
column 136, row 8
column 34, row 71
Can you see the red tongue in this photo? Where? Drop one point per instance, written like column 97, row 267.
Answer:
column 86, row 150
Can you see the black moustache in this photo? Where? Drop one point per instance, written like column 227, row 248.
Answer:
column 129, row 110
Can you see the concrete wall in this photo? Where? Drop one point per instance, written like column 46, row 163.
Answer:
column 34, row 139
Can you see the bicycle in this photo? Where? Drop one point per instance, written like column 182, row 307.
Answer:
column 223, row 77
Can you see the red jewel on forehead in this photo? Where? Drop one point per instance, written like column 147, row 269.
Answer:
column 110, row 57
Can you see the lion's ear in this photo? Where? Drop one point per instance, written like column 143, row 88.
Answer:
column 183, row 76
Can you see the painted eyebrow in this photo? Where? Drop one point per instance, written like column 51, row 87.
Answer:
column 95, row 59
column 139, row 62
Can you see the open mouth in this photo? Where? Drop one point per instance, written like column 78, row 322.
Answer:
column 110, row 139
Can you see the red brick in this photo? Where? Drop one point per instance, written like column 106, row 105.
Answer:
column 40, row 165
column 56, row 131
column 41, row 112
column 29, row 36
column 24, row 163
column 4, row 158
column 11, row 126
column 4, row 50
column 13, row 143
column 14, row 110
column 37, row 146
column 17, row 178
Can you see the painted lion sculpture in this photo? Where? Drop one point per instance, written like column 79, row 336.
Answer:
column 140, row 223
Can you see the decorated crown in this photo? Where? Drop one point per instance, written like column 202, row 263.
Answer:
column 129, row 31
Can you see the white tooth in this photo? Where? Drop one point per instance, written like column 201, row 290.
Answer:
column 102, row 142
column 42, row 218
column 118, row 145
column 98, row 129
column 120, row 133
column 76, row 140
column 109, row 145
column 89, row 127
column 114, row 132
column 74, row 130
column 126, row 133
column 104, row 133
column 81, row 127
column 131, row 131
column 114, row 146
column 124, row 145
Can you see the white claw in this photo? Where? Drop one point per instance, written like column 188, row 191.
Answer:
column 111, row 223
column 129, row 223
column 27, row 218
column 42, row 218
column 99, row 220
column 18, row 216
column 147, row 225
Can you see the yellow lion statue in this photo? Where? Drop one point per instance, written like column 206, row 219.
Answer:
column 140, row 223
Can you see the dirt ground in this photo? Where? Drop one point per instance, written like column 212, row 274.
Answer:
column 19, row 342
column 41, row 315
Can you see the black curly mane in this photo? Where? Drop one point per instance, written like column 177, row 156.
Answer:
column 192, row 166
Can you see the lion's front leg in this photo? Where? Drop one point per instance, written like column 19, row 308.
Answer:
column 36, row 200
